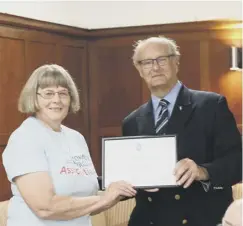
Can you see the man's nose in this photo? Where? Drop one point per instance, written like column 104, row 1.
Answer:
column 155, row 65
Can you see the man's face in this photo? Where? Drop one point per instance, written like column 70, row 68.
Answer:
column 157, row 73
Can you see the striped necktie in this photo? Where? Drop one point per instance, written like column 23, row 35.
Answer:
column 163, row 117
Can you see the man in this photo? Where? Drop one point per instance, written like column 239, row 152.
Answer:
column 209, row 144
column 233, row 215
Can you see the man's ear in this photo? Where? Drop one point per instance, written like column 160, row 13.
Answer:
column 177, row 60
column 137, row 66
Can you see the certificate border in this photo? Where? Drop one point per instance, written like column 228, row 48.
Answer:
column 134, row 137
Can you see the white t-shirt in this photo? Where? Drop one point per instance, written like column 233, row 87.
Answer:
column 34, row 147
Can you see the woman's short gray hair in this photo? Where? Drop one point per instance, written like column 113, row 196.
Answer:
column 46, row 76
column 173, row 48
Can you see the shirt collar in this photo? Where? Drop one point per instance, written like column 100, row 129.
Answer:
column 171, row 96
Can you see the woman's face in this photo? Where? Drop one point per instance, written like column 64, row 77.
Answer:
column 54, row 103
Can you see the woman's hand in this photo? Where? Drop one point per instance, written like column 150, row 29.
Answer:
column 117, row 190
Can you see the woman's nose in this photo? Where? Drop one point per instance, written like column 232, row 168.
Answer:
column 56, row 97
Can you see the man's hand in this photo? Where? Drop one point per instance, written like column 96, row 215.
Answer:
column 186, row 171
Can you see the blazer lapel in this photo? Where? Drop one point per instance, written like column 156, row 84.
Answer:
column 182, row 112
column 145, row 120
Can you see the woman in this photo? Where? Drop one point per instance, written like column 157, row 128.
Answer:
column 52, row 176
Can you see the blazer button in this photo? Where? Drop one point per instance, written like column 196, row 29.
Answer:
column 151, row 223
column 177, row 197
column 149, row 199
column 184, row 221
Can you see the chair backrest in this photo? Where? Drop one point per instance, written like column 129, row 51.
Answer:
column 119, row 214
column 237, row 191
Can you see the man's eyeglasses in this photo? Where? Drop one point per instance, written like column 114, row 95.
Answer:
column 49, row 95
column 161, row 61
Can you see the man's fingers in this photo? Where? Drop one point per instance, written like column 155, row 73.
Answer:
column 189, row 182
column 184, row 177
column 181, row 171
column 180, row 168
column 187, row 179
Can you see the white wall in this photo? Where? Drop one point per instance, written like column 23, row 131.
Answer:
column 105, row 14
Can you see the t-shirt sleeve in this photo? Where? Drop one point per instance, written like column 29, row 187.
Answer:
column 23, row 154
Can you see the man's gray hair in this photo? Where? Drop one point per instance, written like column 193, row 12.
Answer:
column 173, row 48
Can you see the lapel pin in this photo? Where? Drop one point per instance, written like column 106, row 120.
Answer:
column 180, row 107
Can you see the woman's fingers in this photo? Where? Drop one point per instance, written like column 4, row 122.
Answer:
column 152, row 190
column 123, row 188
column 127, row 189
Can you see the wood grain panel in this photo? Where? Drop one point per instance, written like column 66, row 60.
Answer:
column 205, row 83
column 189, row 68
column 26, row 23
column 110, row 131
column 119, row 85
column 74, row 60
column 219, row 58
column 5, row 184
column 12, row 77
column 223, row 80
column 172, row 28
column 38, row 54
column 114, row 131
column 115, row 89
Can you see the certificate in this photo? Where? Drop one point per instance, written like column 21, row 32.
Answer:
column 143, row 161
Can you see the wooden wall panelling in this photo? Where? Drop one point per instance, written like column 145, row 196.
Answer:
column 39, row 53
column 32, row 24
column 188, row 27
column 12, row 71
column 110, row 87
column 5, row 193
column 189, row 68
column 12, row 77
column 115, row 90
column 224, row 81
column 22, row 51
column 205, row 83
column 73, row 58
column 34, row 35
